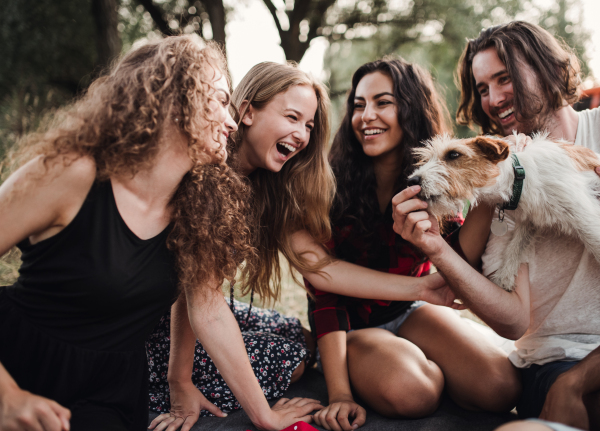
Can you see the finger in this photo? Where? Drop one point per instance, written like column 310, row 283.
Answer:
column 165, row 423
column 342, row 417
column 320, row 420
column 175, row 424
column 422, row 226
column 49, row 419
column 63, row 414
column 331, row 418
column 281, row 401
column 405, row 194
column 210, row 407
column 304, row 401
column 158, row 419
column 188, row 423
column 361, row 417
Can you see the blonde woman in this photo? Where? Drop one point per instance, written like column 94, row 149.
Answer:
column 280, row 147
column 126, row 201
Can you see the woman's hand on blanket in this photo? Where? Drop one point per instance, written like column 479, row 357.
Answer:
column 336, row 416
column 414, row 224
column 436, row 291
column 21, row 410
column 287, row 411
column 186, row 403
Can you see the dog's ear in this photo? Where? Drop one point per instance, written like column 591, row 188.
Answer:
column 495, row 150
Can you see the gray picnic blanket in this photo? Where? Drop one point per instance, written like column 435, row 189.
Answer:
column 449, row 417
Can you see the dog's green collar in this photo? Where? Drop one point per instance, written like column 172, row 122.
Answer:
column 517, row 185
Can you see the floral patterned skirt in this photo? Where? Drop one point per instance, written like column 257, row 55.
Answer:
column 275, row 346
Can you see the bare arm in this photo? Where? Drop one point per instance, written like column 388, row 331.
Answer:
column 344, row 278
column 474, row 233
column 36, row 204
column 566, row 401
column 332, row 348
column 507, row 313
column 186, row 399
column 218, row 331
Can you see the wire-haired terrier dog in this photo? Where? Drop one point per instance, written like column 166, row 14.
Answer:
column 561, row 189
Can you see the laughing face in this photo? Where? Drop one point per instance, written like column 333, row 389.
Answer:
column 279, row 131
column 495, row 88
column 375, row 116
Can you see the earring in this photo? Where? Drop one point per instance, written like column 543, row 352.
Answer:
column 177, row 120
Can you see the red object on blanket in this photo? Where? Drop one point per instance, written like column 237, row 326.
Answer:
column 299, row 426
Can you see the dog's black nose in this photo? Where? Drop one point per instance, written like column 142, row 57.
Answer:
column 414, row 181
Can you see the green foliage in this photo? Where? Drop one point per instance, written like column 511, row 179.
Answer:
column 48, row 54
column 431, row 33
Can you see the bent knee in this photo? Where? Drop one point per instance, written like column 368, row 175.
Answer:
column 416, row 398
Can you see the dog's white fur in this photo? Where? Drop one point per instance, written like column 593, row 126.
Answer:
column 556, row 192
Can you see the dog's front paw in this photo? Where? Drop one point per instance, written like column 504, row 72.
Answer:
column 503, row 278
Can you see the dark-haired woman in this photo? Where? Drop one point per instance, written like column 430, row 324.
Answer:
column 126, row 202
column 376, row 337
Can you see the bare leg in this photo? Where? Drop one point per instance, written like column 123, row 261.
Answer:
column 478, row 374
column 392, row 375
column 523, row 426
column 310, row 343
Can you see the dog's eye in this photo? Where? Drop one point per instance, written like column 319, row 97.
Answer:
column 453, row 155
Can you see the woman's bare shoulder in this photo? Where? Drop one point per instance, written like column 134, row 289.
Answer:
column 43, row 196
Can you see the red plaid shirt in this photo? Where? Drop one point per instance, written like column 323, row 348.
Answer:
column 386, row 252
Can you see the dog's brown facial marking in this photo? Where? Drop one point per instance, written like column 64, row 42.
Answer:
column 584, row 158
column 451, row 169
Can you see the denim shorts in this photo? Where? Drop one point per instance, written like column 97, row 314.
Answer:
column 392, row 326
column 537, row 380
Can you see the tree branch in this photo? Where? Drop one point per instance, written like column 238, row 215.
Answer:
column 157, row 17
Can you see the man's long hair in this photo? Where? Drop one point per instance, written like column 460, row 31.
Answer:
column 555, row 65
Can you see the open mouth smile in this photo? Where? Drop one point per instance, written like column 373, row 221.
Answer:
column 285, row 149
column 372, row 133
column 506, row 114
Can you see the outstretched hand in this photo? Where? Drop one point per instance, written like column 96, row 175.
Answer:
column 286, row 412
column 436, row 291
column 336, row 416
column 21, row 410
column 414, row 224
column 186, row 403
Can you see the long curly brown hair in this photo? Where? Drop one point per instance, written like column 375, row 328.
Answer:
column 556, row 67
column 300, row 195
column 117, row 122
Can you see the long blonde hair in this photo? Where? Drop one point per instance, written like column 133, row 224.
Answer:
column 117, row 123
column 300, row 195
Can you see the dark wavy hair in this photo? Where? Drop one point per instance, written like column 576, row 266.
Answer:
column 556, row 67
column 421, row 115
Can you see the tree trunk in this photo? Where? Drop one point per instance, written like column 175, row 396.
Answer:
column 216, row 15
column 108, row 42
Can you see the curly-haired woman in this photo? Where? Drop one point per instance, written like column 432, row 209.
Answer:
column 374, row 335
column 125, row 199
column 280, row 147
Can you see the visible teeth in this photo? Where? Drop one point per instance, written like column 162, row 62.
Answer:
column 288, row 146
column 506, row 113
column 374, row 131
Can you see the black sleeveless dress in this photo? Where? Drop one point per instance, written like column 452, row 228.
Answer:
column 72, row 328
